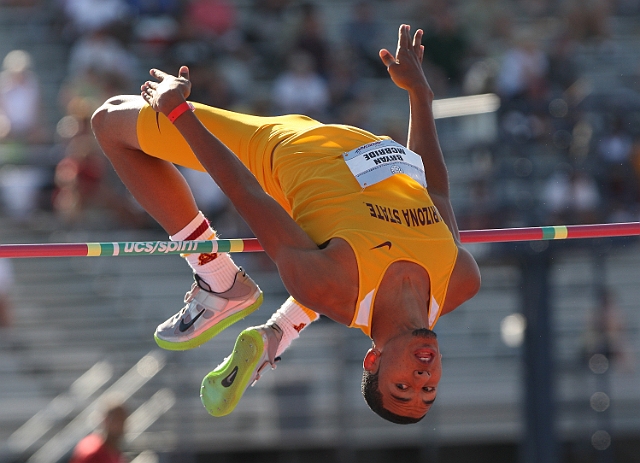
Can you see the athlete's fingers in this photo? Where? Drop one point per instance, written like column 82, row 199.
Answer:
column 387, row 58
column 184, row 72
column 417, row 41
column 158, row 74
column 405, row 36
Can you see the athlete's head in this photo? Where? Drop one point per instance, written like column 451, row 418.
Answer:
column 400, row 380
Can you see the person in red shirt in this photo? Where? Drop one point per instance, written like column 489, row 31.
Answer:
column 104, row 446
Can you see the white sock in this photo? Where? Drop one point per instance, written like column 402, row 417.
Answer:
column 217, row 269
column 292, row 318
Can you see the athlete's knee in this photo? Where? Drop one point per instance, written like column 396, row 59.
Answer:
column 115, row 120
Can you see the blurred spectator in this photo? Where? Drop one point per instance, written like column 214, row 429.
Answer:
column 84, row 182
column 572, row 197
column 208, row 30
column 104, row 446
column 300, row 89
column 237, row 69
column 211, row 86
column 88, row 90
column 588, row 19
column 20, row 99
column 155, row 22
column 311, row 38
column 606, row 333
column 563, row 69
column 269, row 29
column 86, row 16
column 362, row 37
column 488, row 24
column 615, row 170
column 6, row 288
column 347, row 91
column 210, row 19
column 523, row 71
column 100, row 52
column 445, row 42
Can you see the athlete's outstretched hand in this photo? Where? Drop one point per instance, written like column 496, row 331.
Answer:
column 405, row 68
column 168, row 92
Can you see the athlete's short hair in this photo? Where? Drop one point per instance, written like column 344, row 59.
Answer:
column 373, row 397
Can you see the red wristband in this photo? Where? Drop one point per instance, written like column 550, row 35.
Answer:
column 179, row 111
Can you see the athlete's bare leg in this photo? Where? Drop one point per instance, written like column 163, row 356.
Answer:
column 156, row 184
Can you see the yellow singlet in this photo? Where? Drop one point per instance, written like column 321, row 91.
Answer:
column 299, row 161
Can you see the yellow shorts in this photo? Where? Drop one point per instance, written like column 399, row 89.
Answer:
column 251, row 138
column 284, row 153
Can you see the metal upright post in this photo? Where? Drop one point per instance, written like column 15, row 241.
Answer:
column 540, row 440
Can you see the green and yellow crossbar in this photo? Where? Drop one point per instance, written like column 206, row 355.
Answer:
column 155, row 248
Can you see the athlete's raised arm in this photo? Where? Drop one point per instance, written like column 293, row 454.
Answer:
column 298, row 258
column 405, row 69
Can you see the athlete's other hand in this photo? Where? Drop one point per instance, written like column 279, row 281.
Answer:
column 405, row 68
column 168, row 92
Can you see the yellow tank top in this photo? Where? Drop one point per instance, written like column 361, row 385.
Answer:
column 393, row 220
column 386, row 222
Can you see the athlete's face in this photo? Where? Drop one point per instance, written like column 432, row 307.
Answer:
column 409, row 370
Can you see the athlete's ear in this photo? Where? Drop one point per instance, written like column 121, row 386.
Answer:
column 371, row 361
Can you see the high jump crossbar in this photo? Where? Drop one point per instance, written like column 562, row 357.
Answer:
column 152, row 248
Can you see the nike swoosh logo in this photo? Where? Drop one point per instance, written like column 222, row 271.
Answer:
column 185, row 326
column 231, row 377
column 381, row 245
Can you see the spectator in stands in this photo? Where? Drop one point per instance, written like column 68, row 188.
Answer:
column 86, row 16
column 155, row 23
column 20, row 99
column 523, row 70
column 606, row 332
column 615, row 170
column 104, row 446
column 311, row 38
column 572, row 197
column 82, row 180
column 210, row 19
column 102, row 53
column 362, row 38
column 300, row 89
column 445, row 43
column 270, row 28
column 348, row 93
column 488, row 23
column 588, row 20
column 215, row 88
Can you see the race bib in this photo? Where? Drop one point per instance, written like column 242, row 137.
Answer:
column 374, row 162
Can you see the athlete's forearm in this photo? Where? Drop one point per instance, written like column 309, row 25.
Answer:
column 423, row 138
column 271, row 224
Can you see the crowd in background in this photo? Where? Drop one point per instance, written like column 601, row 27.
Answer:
column 280, row 56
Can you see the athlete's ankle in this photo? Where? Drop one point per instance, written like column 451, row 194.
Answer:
column 217, row 270
column 290, row 319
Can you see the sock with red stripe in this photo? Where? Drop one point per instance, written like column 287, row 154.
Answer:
column 292, row 318
column 216, row 269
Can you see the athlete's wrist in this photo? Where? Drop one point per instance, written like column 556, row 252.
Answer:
column 422, row 91
column 179, row 110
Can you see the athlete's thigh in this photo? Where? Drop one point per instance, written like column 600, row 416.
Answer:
column 116, row 120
